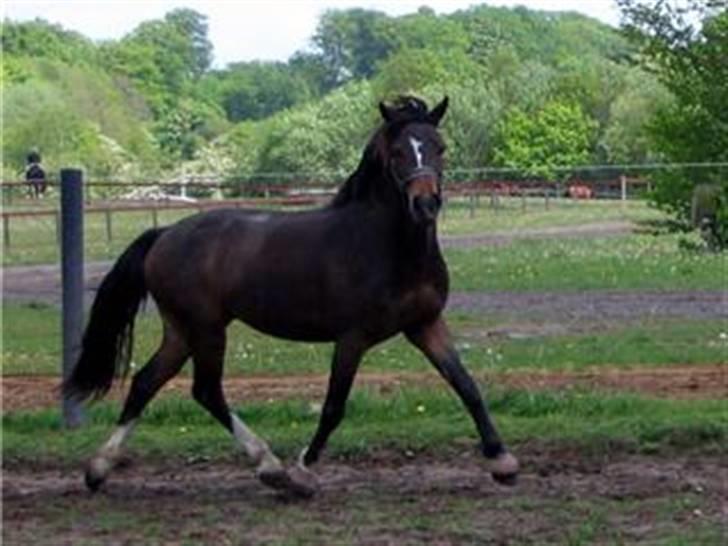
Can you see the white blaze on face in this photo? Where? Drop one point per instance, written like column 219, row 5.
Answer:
column 416, row 145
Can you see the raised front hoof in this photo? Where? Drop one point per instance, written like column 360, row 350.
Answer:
column 504, row 469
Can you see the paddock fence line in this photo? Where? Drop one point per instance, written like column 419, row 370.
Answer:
column 153, row 202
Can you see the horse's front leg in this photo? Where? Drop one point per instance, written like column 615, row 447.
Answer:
column 433, row 340
column 347, row 355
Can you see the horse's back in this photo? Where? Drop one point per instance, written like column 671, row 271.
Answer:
column 266, row 268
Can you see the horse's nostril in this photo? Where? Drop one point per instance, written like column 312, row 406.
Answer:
column 426, row 205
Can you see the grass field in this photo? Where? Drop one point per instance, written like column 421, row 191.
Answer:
column 633, row 262
column 32, row 345
column 415, row 419
column 33, row 239
column 600, row 467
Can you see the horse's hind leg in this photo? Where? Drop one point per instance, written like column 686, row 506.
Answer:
column 208, row 355
column 163, row 366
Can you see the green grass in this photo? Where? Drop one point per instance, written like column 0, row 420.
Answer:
column 631, row 262
column 33, row 239
column 32, row 345
column 460, row 219
column 410, row 419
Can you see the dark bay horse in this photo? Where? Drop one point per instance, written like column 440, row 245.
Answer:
column 356, row 272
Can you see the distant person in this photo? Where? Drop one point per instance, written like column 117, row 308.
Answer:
column 35, row 176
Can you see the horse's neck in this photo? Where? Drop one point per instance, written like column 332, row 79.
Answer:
column 420, row 242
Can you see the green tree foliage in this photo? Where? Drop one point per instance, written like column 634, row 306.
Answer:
column 627, row 137
column 558, row 135
column 255, row 90
column 686, row 47
column 471, row 124
column 163, row 57
column 40, row 39
column 322, row 137
column 411, row 70
column 150, row 102
column 350, row 43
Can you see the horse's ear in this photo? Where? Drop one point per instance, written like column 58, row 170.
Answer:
column 385, row 111
column 437, row 112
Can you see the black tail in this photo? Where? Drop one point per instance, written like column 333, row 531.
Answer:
column 109, row 336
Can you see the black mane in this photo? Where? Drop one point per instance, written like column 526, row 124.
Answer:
column 405, row 109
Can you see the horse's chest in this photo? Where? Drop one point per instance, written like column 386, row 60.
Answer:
column 423, row 302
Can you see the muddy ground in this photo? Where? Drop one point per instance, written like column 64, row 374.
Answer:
column 563, row 497
column 684, row 382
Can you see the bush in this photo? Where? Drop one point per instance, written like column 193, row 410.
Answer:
column 698, row 199
column 709, row 214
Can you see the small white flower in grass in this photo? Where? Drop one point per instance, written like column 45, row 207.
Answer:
column 723, row 336
column 421, row 408
column 183, row 429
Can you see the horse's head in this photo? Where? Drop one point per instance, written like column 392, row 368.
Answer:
column 413, row 155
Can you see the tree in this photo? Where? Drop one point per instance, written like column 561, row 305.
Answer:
column 41, row 39
column 193, row 26
column 351, row 42
column 686, row 48
column 163, row 57
column 626, row 137
column 558, row 135
column 409, row 71
column 256, row 90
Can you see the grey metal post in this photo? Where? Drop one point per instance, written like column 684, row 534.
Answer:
column 6, row 231
column 72, row 281
column 109, row 233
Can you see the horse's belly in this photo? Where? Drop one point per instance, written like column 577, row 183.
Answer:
column 290, row 314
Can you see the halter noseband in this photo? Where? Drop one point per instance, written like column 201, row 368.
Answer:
column 413, row 175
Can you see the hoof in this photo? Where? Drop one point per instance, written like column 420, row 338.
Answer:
column 304, row 483
column 96, row 472
column 275, row 478
column 504, row 469
column 297, row 481
column 93, row 483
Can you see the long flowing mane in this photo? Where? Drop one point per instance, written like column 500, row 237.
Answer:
column 359, row 185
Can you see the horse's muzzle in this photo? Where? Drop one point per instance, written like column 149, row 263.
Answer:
column 424, row 208
column 423, row 195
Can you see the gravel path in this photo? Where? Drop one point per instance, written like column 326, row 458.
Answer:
column 42, row 283
column 606, row 304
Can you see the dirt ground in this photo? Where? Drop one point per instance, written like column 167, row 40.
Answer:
column 699, row 381
column 563, row 497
